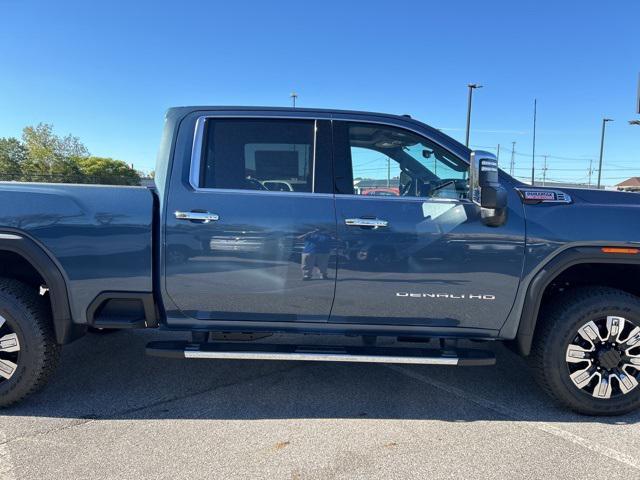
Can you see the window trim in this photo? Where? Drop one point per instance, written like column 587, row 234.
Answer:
column 197, row 150
column 198, row 139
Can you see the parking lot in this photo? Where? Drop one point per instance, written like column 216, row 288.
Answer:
column 112, row 412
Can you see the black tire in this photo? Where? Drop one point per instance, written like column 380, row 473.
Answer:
column 558, row 327
column 27, row 315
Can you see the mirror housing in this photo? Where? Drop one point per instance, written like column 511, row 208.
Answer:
column 484, row 183
column 485, row 188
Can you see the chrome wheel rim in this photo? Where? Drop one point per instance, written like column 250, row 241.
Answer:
column 603, row 358
column 9, row 350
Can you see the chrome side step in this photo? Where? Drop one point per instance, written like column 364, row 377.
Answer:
column 354, row 354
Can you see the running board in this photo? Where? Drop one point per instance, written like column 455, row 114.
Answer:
column 118, row 323
column 358, row 354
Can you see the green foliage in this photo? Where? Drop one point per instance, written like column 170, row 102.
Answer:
column 13, row 155
column 43, row 156
column 108, row 171
column 50, row 157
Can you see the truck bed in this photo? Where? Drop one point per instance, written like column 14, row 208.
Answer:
column 99, row 236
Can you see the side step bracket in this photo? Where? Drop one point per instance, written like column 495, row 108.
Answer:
column 358, row 354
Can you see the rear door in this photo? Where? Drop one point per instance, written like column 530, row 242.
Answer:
column 241, row 222
column 413, row 249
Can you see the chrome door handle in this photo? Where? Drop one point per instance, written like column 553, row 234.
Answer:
column 204, row 217
column 366, row 222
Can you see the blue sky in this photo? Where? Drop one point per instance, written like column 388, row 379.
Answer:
column 106, row 71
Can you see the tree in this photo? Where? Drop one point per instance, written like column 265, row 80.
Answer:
column 43, row 156
column 108, row 171
column 52, row 158
column 13, row 155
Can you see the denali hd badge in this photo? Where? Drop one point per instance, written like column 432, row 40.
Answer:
column 533, row 196
column 446, row 295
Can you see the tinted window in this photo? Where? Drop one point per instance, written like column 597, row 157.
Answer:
column 268, row 155
column 389, row 161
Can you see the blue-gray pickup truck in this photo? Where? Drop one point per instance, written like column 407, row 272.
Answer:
column 271, row 221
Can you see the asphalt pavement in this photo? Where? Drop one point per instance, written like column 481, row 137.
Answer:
column 110, row 412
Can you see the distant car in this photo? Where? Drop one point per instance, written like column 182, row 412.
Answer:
column 278, row 185
column 282, row 185
column 382, row 192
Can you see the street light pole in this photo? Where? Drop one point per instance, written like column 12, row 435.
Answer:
column 604, row 123
column 533, row 153
column 472, row 87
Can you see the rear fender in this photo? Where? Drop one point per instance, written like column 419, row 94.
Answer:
column 16, row 242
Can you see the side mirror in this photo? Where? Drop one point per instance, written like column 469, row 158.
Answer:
column 485, row 188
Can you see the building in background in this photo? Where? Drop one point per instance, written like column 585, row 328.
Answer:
column 629, row 185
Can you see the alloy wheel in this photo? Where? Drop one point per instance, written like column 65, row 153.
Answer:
column 9, row 350
column 603, row 359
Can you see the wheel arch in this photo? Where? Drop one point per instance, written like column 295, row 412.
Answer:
column 552, row 271
column 36, row 257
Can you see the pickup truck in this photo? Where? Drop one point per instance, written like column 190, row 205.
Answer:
column 462, row 256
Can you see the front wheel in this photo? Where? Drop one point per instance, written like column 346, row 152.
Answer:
column 28, row 351
column 586, row 351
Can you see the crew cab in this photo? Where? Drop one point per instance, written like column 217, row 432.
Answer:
column 255, row 228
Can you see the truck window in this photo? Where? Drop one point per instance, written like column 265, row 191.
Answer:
column 254, row 154
column 387, row 161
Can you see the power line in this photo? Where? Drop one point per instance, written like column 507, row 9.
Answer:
column 555, row 157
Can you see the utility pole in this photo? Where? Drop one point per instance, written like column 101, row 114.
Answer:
column 294, row 97
column 498, row 154
column 590, row 171
column 604, row 123
column 533, row 155
column 638, row 100
column 472, row 87
column 513, row 158
column 544, row 171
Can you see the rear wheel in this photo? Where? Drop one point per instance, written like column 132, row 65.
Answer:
column 28, row 352
column 586, row 352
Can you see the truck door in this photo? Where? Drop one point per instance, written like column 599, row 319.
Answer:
column 413, row 249
column 253, row 209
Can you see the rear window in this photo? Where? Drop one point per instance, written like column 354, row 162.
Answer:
column 254, row 154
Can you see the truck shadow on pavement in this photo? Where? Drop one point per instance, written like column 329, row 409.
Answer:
column 110, row 377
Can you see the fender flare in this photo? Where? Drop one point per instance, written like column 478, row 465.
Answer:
column 546, row 275
column 65, row 330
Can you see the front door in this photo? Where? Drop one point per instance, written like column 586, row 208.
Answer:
column 412, row 249
column 249, row 230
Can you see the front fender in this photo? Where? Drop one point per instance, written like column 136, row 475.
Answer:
column 550, row 271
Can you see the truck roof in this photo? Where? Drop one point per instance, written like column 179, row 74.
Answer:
column 285, row 109
column 442, row 138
